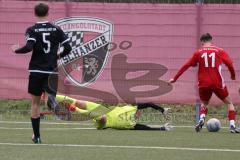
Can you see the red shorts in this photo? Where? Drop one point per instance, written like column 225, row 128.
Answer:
column 205, row 93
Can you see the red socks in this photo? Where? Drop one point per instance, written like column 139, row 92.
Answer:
column 203, row 111
column 231, row 115
column 72, row 108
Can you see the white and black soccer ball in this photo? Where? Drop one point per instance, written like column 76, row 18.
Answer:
column 213, row 125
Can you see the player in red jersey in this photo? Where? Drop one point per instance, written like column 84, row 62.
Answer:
column 209, row 59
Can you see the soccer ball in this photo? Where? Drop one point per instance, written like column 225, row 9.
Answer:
column 213, row 125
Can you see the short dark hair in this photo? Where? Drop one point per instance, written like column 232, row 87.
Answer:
column 41, row 10
column 206, row 37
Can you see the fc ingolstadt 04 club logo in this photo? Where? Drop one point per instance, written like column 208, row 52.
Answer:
column 90, row 38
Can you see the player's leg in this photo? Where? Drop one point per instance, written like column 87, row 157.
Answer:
column 231, row 115
column 205, row 94
column 70, row 102
column 165, row 127
column 203, row 110
column 224, row 96
column 35, row 89
column 35, row 118
column 51, row 102
column 203, row 113
column 74, row 108
column 90, row 109
column 96, row 109
column 50, row 83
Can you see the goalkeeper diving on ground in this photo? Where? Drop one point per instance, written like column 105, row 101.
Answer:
column 115, row 117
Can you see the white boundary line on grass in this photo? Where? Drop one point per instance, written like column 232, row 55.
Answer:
column 77, row 128
column 8, row 128
column 123, row 147
column 80, row 123
column 53, row 123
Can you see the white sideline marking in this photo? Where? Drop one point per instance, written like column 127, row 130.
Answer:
column 63, row 123
column 7, row 128
column 194, row 126
column 83, row 124
column 126, row 147
column 13, row 128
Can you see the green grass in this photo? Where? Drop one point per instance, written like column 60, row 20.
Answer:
column 8, row 105
column 66, row 134
column 15, row 104
column 20, row 109
column 69, row 134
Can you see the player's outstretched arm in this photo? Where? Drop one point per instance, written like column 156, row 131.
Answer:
column 179, row 73
column 192, row 62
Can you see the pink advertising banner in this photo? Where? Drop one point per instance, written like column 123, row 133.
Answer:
column 149, row 43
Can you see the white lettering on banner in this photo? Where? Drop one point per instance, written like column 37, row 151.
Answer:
column 91, row 26
column 86, row 48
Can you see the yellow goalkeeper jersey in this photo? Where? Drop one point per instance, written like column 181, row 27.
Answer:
column 119, row 118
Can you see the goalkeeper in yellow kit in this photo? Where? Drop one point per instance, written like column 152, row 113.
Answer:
column 113, row 117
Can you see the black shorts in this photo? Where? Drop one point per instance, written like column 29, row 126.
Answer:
column 41, row 82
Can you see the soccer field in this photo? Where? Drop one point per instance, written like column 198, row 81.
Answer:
column 61, row 141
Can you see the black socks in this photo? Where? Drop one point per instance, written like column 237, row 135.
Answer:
column 36, row 126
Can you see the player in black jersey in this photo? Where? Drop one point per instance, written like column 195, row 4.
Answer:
column 43, row 39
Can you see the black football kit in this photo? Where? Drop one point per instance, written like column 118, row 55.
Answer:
column 44, row 40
